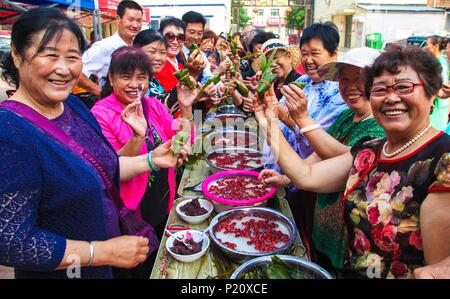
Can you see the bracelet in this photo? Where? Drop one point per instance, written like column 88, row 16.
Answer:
column 150, row 162
column 309, row 128
column 186, row 119
column 91, row 254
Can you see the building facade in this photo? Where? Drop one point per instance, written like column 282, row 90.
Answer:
column 394, row 19
column 216, row 12
column 270, row 15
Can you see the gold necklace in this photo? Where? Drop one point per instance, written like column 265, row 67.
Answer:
column 43, row 113
column 406, row 145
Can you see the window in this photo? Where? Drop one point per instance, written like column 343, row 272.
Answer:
column 260, row 12
column 274, row 12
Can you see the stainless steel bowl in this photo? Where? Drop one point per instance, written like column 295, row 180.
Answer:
column 308, row 269
column 230, row 134
column 229, row 109
column 232, row 150
column 241, row 256
column 226, row 120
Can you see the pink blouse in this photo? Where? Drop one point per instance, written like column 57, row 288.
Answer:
column 108, row 114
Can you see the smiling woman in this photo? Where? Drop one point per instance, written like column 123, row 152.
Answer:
column 151, row 195
column 394, row 190
column 53, row 201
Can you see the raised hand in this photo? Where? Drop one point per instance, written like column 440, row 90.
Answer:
column 296, row 101
column 186, row 97
column 133, row 115
column 271, row 104
column 196, row 63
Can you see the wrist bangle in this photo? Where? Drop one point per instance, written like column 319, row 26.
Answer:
column 309, row 128
column 150, row 162
column 91, row 254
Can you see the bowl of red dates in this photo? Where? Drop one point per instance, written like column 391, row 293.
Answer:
column 231, row 138
column 245, row 233
column 188, row 245
column 194, row 210
column 233, row 158
column 231, row 189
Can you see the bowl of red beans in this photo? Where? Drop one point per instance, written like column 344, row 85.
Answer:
column 233, row 158
column 246, row 233
column 236, row 188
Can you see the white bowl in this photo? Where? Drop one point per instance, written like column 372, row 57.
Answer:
column 206, row 204
column 198, row 236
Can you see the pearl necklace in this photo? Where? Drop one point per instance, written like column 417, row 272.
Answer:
column 408, row 144
column 366, row 118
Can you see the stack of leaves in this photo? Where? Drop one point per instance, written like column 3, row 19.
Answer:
column 277, row 269
column 267, row 77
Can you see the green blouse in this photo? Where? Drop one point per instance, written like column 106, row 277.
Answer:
column 328, row 230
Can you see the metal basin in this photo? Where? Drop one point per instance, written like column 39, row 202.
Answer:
column 242, row 256
column 307, row 269
column 231, row 150
column 231, row 138
column 225, row 109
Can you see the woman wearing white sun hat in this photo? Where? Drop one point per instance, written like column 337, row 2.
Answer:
column 395, row 190
column 353, row 124
column 318, row 45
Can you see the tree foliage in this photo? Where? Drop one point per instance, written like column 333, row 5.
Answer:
column 243, row 17
column 296, row 18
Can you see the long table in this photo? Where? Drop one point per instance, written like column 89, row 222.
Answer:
column 213, row 264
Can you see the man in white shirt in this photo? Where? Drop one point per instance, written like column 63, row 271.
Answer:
column 97, row 58
column 195, row 25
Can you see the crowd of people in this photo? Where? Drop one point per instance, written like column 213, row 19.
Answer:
column 356, row 139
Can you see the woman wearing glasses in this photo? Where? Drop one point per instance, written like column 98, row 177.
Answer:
column 173, row 31
column 395, row 190
column 353, row 124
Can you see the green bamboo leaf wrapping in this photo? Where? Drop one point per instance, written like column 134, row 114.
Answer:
column 210, row 81
column 181, row 138
column 241, row 88
column 183, row 77
column 300, row 85
column 265, row 83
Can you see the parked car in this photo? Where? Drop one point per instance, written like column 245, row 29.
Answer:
column 420, row 41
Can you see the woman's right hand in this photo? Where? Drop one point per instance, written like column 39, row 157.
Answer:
column 272, row 178
column 133, row 115
column 123, row 252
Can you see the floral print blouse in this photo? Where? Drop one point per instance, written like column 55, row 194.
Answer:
column 382, row 207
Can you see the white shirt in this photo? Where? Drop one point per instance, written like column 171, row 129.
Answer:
column 206, row 74
column 97, row 58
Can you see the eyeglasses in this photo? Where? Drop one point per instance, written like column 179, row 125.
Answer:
column 170, row 37
column 401, row 88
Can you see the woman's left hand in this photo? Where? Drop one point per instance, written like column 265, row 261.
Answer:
column 296, row 101
column 133, row 115
column 163, row 157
